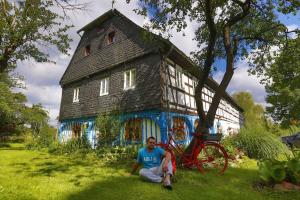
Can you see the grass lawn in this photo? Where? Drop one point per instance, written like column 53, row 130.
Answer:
column 39, row 175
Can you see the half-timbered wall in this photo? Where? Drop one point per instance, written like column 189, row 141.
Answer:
column 179, row 91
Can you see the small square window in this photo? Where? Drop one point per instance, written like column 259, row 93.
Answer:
column 129, row 79
column 76, row 95
column 87, row 50
column 111, row 37
column 104, row 85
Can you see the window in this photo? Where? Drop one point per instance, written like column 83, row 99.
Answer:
column 99, row 30
column 76, row 95
column 104, row 85
column 179, row 79
column 87, row 50
column 129, row 79
column 111, row 37
column 76, row 130
column 180, row 98
column 133, row 130
column 187, row 100
column 171, row 70
column 179, row 128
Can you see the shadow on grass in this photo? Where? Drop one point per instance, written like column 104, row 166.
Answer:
column 8, row 146
column 46, row 166
column 236, row 184
column 49, row 168
column 2, row 145
column 189, row 186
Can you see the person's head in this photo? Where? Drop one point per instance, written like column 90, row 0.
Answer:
column 150, row 142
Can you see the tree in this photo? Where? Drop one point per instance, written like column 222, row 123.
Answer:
column 254, row 114
column 283, row 91
column 36, row 117
column 230, row 30
column 12, row 106
column 29, row 28
column 14, row 113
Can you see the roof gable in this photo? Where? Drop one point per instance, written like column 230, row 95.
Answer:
column 128, row 45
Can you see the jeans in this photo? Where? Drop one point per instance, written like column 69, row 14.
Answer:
column 155, row 174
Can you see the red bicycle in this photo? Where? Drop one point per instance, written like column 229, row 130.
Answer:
column 206, row 155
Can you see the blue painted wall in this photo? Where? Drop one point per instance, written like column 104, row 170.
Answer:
column 154, row 123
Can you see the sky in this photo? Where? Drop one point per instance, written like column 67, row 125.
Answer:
column 42, row 79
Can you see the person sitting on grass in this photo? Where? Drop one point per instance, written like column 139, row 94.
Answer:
column 155, row 169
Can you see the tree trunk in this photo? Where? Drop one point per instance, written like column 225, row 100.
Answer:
column 207, row 120
column 226, row 79
column 203, row 125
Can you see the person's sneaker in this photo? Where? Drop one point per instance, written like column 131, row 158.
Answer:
column 167, row 183
column 169, row 187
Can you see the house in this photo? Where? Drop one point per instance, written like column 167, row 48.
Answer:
column 151, row 82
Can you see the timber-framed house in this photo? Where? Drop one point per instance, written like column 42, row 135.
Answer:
column 151, row 83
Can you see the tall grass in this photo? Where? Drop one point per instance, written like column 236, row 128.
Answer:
column 256, row 142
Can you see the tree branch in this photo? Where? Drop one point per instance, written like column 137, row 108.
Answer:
column 245, row 7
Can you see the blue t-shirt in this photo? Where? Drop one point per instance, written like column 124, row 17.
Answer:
column 150, row 159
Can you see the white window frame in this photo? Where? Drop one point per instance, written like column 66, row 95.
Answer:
column 105, row 85
column 76, row 95
column 179, row 78
column 131, row 82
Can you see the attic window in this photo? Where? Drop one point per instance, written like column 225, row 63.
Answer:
column 111, row 37
column 87, row 50
column 99, row 30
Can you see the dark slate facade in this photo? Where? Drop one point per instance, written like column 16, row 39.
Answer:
column 146, row 94
column 129, row 51
column 145, row 104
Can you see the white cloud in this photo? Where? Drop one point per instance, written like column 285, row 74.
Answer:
column 242, row 81
column 41, row 74
column 42, row 79
column 293, row 27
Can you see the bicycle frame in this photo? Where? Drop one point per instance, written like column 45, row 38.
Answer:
column 190, row 160
column 187, row 160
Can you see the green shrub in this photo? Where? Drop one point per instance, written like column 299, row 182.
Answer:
column 293, row 168
column 229, row 144
column 44, row 139
column 257, row 143
column 108, row 125
column 118, row 153
column 279, row 131
column 72, row 146
column 275, row 171
column 272, row 171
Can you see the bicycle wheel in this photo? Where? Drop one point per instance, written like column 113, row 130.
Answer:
column 212, row 158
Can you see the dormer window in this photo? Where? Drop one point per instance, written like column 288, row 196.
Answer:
column 87, row 50
column 111, row 37
column 99, row 30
